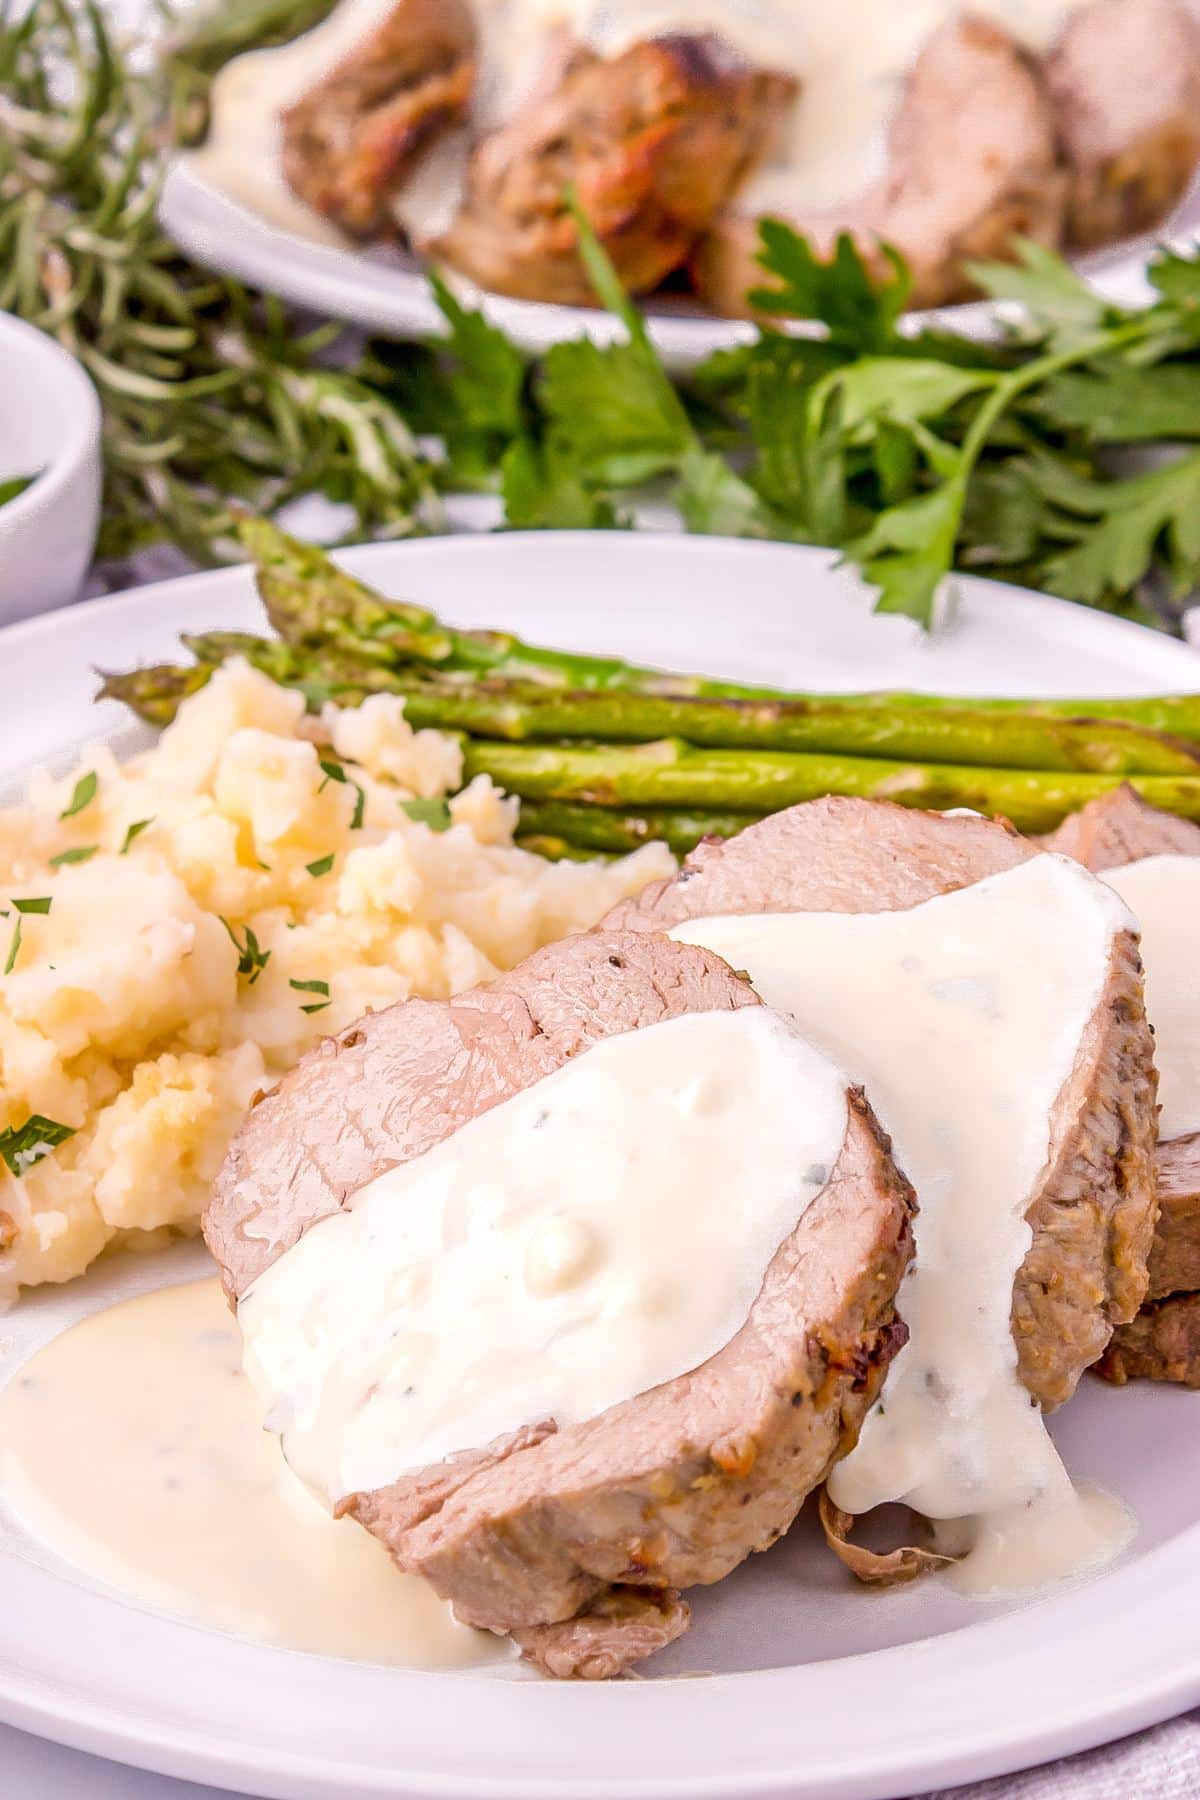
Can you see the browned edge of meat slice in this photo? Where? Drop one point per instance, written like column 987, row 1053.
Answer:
column 972, row 163
column 352, row 141
column 1117, row 829
column 1161, row 1344
column 653, row 141
column 1175, row 1256
column 1124, row 81
column 676, row 1486
column 1093, row 1209
column 1120, row 827
column 621, row 1627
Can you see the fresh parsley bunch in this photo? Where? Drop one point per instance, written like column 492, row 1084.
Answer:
column 914, row 452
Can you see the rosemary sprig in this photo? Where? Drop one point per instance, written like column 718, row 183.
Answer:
column 210, row 397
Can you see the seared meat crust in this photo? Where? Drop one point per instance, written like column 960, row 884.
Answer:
column 1161, row 1344
column 1124, row 82
column 653, row 141
column 353, row 140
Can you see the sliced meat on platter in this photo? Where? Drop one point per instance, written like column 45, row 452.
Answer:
column 654, row 142
column 960, row 181
column 947, row 131
column 1124, row 82
column 351, row 143
column 927, row 953
column 572, row 1520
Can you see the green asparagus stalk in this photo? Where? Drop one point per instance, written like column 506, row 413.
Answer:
column 600, row 828
column 677, row 775
column 496, row 707
column 314, row 604
column 311, row 603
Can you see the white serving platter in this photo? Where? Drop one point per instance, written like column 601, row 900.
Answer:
column 386, row 291
column 793, row 1681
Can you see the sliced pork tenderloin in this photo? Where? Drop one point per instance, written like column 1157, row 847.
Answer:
column 653, row 141
column 973, row 162
column 1124, row 83
column 577, row 1540
column 351, row 143
column 1092, row 1213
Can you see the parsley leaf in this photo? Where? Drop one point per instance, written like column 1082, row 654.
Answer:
column 40, row 904
column 859, row 311
column 135, row 831
column 310, row 987
column 23, row 1145
column 335, row 772
column 14, row 948
column 1066, row 309
column 1115, row 529
column 80, row 854
column 434, row 813
column 85, row 793
column 252, row 960
column 1123, row 403
column 322, row 865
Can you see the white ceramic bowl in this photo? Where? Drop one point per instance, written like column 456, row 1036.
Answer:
column 49, row 427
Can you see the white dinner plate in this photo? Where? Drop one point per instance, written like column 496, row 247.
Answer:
column 385, row 290
column 802, row 1683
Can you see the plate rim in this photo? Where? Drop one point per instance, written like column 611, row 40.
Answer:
column 229, row 236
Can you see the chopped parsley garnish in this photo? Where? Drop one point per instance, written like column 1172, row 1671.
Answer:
column 135, row 831
column 313, row 987
column 322, row 865
column 81, row 853
column 39, row 903
column 252, row 959
column 85, row 793
column 335, row 772
column 23, row 1145
column 434, row 813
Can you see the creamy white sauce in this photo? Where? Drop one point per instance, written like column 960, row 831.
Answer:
column 851, row 59
column 600, row 1233
column 962, row 1018
column 132, row 1448
column 1164, row 893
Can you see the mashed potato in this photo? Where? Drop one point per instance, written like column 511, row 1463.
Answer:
column 216, row 906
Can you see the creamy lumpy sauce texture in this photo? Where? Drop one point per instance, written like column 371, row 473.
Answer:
column 851, row 60
column 132, row 1448
column 602, row 1232
column 962, row 1017
column 1164, row 893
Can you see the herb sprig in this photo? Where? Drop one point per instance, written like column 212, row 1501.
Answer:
column 913, row 452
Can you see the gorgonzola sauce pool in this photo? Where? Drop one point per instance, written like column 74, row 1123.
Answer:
column 962, row 1017
column 851, row 60
column 600, row 1233
column 132, row 1448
